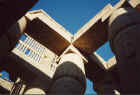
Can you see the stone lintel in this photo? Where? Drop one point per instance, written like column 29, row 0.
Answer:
column 94, row 34
column 48, row 32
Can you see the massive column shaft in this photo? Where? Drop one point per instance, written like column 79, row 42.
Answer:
column 124, row 25
column 11, row 11
column 69, row 78
column 9, row 40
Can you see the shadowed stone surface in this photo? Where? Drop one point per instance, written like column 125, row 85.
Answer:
column 123, row 28
column 68, row 79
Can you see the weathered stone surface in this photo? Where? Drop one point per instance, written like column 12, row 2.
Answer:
column 123, row 28
column 135, row 4
column 68, row 79
column 35, row 91
column 16, row 30
column 16, row 8
column 47, row 31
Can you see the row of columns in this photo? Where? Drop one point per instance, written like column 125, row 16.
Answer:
column 123, row 30
column 123, row 35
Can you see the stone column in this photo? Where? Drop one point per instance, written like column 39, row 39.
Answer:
column 15, row 31
column 11, row 11
column 124, row 36
column 36, row 91
column 69, row 78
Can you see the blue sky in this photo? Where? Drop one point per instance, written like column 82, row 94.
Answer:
column 73, row 14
